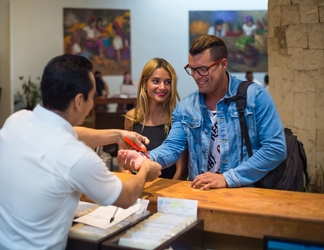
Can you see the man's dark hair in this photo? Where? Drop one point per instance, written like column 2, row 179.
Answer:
column 63, row 78
column 217, row 46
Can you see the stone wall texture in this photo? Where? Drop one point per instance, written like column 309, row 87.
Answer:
column 296, row 73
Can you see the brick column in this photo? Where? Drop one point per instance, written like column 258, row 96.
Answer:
column 296, row 73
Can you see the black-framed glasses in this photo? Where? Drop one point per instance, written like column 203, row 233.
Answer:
column 203, row 71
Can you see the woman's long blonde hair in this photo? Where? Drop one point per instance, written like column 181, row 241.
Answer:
column 142, row 102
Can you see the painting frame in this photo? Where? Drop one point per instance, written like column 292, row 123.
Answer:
column 244, row 32
column 101, row 35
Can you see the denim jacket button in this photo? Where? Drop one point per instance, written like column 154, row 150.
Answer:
column 206, row 132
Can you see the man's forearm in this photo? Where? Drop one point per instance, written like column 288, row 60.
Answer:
column 98, row 137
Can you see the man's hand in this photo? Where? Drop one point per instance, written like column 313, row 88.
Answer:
column 138, row 139
column 152, row 169
column 209, row 180
column 133, row 186
column 130, row 159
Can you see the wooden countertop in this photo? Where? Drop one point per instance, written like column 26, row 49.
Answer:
column 251, row 212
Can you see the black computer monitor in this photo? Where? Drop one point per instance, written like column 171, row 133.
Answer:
column 280, row 243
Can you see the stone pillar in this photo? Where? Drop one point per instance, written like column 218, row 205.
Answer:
column 296, row 73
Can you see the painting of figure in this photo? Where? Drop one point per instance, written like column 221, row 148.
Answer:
column 101, row 35
column 244, row 32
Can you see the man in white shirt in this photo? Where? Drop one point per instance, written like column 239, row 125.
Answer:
column 46, row 163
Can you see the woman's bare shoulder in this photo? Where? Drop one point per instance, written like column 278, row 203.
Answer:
column 130, row 113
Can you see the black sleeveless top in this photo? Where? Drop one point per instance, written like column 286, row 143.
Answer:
column 156, row 136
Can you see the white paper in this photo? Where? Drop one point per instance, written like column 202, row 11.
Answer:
column 181, row 207
column 102, row 215
column 144, row 204
column 84, row 208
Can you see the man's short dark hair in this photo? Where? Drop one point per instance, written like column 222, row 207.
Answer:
column 63, row 78
column 217, row 46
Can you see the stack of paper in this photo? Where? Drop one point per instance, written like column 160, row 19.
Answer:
column 102, row 215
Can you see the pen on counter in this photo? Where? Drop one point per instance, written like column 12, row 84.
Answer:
column 113, row 216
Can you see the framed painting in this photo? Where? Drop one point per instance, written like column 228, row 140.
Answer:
column 244, row 32
column 101, row 35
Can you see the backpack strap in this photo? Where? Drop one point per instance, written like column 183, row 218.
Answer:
column 304, row 159
column 240, row 101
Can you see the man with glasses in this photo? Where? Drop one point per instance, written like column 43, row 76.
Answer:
column 210, row 129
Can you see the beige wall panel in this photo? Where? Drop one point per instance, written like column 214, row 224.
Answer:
column 316, row 32
column 290, row 14
column 308, row 11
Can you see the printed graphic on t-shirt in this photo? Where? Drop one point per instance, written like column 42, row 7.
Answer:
column 214, row 147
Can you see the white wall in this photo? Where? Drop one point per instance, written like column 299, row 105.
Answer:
column 159, row 28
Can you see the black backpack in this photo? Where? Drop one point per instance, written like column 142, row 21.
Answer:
column 288, row 175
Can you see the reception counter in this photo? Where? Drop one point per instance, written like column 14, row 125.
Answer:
column 245, row 214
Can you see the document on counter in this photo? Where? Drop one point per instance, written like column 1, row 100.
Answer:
column 181, row 207
column 101, row 216
column 85, row 208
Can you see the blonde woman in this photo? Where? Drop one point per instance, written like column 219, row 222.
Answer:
column 156, row 99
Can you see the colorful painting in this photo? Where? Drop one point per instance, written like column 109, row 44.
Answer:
column 244, row 32
column 101, row 35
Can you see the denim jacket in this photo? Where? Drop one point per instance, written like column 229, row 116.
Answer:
column 191, row 127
